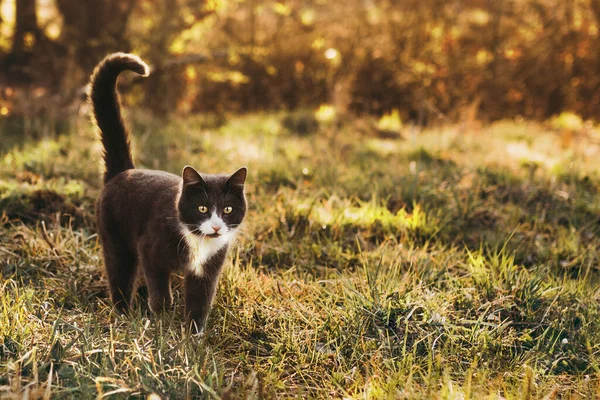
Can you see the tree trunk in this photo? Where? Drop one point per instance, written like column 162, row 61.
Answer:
column 94, row 29
column 27, row 33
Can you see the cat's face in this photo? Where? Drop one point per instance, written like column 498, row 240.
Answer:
column 212, row 206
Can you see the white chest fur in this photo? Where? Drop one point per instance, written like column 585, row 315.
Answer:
column 202, row 249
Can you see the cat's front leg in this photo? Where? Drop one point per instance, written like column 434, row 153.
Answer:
column 155, row 265
column 159, row 290
column 199, row 294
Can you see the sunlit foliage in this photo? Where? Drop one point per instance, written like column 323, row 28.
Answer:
column 429, row 60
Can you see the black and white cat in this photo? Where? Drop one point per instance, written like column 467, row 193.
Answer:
column 153, row 223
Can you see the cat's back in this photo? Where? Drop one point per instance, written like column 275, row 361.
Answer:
column 136, row 197
column 144, row 179
column 142, row 183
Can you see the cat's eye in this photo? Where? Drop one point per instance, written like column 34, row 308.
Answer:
column 227, row 210
column 203, row 209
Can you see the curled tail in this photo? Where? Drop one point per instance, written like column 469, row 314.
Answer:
column 107, row 110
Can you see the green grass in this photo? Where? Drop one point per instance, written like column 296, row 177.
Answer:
column 445, row 264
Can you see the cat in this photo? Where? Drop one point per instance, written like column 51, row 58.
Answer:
column 153, row 223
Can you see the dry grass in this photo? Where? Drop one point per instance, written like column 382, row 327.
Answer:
column 447, row 264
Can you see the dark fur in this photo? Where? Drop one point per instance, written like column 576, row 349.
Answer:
column 140, row 212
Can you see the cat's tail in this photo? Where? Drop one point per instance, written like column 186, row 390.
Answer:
column 107, row 110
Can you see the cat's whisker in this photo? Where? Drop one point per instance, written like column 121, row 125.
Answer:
column 244, row 234
column 242, row 228
column 245, row 237
column 181, row 240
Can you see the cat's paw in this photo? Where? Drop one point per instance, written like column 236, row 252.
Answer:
column 121, row 307
column 160, row 305
column 196, row 328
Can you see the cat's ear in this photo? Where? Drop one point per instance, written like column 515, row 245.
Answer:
column 191, row 176
column 238, row 178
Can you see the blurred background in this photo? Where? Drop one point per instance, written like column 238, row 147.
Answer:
column 423, row 190
column 425, row 60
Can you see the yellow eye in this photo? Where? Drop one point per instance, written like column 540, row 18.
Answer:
column 227, row 210
column 203, row 209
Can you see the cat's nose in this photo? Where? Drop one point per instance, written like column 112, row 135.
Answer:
column 216, row 228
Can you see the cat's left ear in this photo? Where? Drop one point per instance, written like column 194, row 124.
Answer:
column 238, row 178
column 191, row 176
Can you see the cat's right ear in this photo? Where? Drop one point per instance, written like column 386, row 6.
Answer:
column 191, row 177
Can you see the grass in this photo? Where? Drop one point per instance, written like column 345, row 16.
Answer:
column 441, row 264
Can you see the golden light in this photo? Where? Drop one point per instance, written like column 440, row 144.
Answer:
column 53, row 31
column 437, row 32
column 29, row 40
column 366, row 214
column 190, row 73
column 213, row 5
column 390, row 122
column 522, row 153
column 307, row 17
column 512, row 54
column 483, row 56
column 325, row 113
column 282, row 9
column 177, row 46
column 567, row 120
column 4, row 111
column 479, row 17
column 331, row 54
column 318, row 43
column 7, row 15
column 50, row 18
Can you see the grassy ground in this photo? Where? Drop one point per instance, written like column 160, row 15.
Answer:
column 448, row 263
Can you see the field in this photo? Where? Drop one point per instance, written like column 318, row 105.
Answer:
column 452, row 262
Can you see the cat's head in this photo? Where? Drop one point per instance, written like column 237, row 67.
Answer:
column 212, row 206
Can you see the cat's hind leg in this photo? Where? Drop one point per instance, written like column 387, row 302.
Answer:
column 121, row 270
